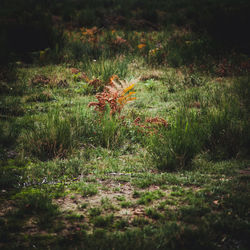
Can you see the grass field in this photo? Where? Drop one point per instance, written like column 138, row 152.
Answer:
column 124, row 124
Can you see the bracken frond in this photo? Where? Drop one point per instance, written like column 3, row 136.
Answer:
column 116, row 95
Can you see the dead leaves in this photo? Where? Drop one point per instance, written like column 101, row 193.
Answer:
column 151, row 124
column 40, row 80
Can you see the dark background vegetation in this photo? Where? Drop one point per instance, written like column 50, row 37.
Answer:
column 206, row 149
column 28, row 26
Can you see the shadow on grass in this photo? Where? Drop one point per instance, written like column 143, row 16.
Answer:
column 216, row 219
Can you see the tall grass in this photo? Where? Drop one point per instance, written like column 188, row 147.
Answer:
column 76, row 51
column 105, row 68
column 173, row 148
column 111, row 133
column 229, row 123
column 49, row 138
column 222, row 129
column 58, row 134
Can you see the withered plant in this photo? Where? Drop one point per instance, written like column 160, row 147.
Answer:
column 116, row 95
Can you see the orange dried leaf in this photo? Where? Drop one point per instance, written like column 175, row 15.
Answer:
column 141, row 45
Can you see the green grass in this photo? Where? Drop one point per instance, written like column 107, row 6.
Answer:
column 85, row 189
column 74, row 177
column 148, row 197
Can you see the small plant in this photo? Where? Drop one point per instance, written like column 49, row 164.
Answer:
column 72, row 197
column 116, row 95
column 116, row 189
column 136, row 194
column 74, row 217
column 121, row 198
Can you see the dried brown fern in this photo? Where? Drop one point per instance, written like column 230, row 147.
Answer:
column 116, row 94
column 150, row 125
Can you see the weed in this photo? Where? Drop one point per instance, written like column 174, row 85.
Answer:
column 136, row 194
column 11, row 106
column 116, row 189
column 35, row 200
column 191, row 117
column 227, row 131
column 72, row 197
column 11, row 173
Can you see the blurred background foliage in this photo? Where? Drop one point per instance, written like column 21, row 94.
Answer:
column 32, row 25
